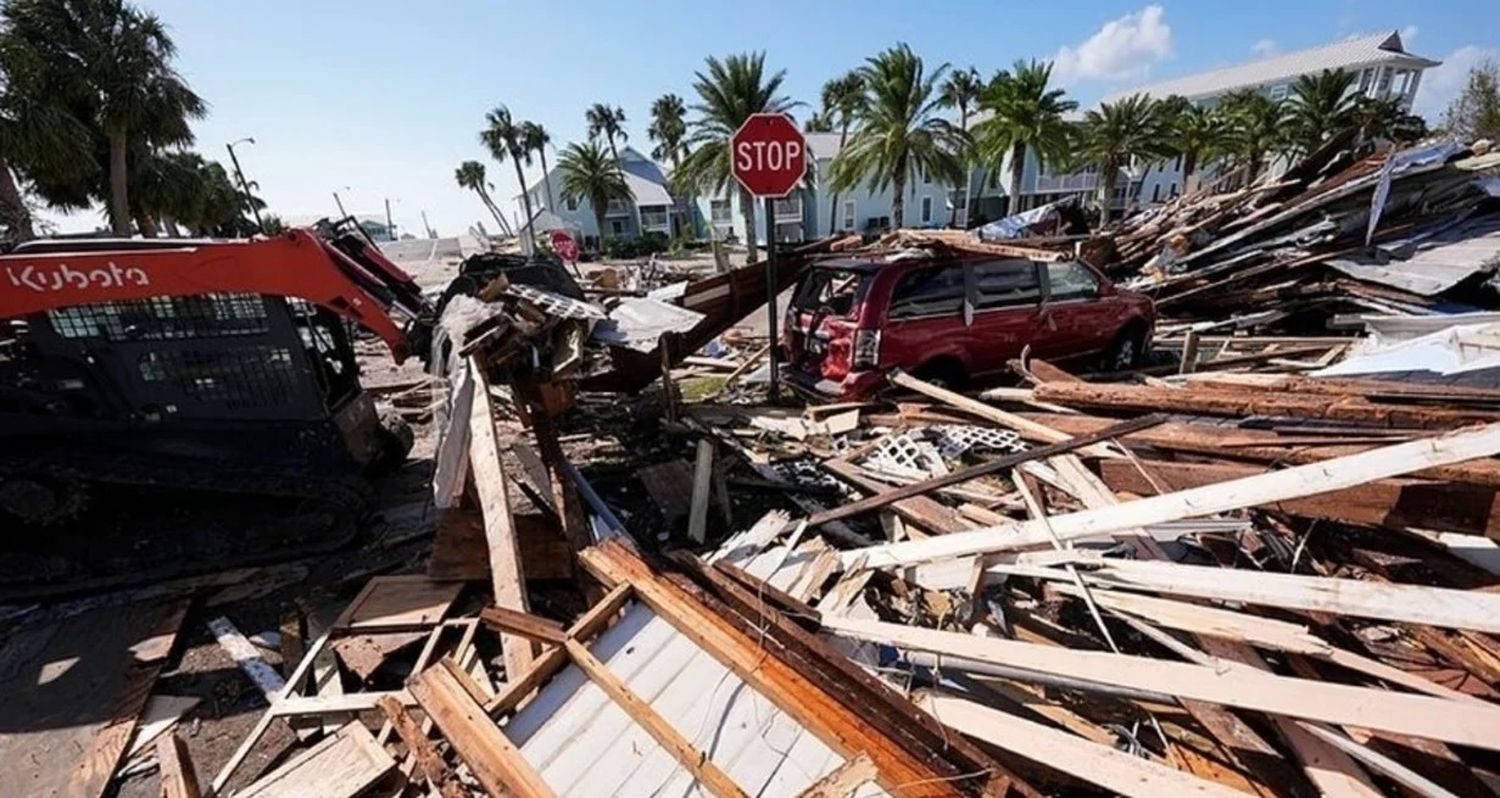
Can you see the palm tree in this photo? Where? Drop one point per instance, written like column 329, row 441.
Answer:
column 729, row 92
column 535, row 137
column 842, row 99
column 899, row 137
column 961, row 93
column 470, row 175
column 591, row 174
column 1197, row 134
column 1117, row 133
column 502, row 136
column 1387, row 118
column 669, row 130
column 1256, row 127
column 36, row 133
column 1319, row 106
column 817, row 122
column 1024, row 116
column 609, row 123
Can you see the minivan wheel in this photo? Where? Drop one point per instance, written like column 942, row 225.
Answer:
column 943, row 374
column 1126, row 352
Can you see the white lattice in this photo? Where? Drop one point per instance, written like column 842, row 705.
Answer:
column 904, row 455
column 955, row 439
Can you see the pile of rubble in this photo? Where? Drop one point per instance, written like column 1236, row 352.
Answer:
column 1410, row 232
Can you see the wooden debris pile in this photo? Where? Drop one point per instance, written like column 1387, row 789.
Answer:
column 1408, row 232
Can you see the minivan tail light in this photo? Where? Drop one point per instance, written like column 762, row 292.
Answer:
column 866, row 354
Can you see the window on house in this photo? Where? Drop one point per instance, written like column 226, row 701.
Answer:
column 929, row 292
column 617, row 227
column 926, row 210
column 571, row 202
column 1177, row 164
column 1172, row 192
column 1006, row 283
column 1070, row 280
column 719, row 209
column 926, row 177
column 848, row 214
column 1156, row 193
column 1384, row 86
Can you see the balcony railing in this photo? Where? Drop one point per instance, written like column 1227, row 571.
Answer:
column 617, row 208
column 1083, row 181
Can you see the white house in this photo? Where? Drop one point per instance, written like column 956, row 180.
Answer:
column 650, row 210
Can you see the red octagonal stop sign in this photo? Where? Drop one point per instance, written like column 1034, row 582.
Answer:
column 769, row 155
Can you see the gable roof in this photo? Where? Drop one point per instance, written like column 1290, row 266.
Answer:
column 1364, row 51
column 645, row 179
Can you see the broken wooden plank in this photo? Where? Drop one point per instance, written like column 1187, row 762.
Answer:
column 533, row 627
column 843, row 780
column 592, row 622
column 247, row 657
column 391, row 603
column 1238, row 686
column 987, row 412
column 178, row 779
column 428, row 760
column 703, row 466
column 1275, row 486
column 1096, row 764
column 507, row 579
column 342, row 766
column 491, row 756
column 670, row 485
column 697, row 762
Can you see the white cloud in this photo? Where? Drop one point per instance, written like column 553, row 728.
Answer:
column 1264, row 48
column 1122, row 48
column 1409, row 33
column 1442, row 84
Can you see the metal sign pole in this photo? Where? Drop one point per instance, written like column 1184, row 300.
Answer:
column 773, row 323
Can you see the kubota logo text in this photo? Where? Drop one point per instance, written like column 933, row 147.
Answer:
column 61, row 277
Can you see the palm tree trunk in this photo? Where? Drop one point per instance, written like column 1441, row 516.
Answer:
column 145, row 224
column 612, row 151
column 119, row 192
column 525, row 200
column 484, row 196
column 747, row 210
column 833, row 208
column 1017, row 168
column 1189, row 165
column 542, row 151
column 599, row 222
column 1106, row 190
column 898, row 200
column 13, row 210
column 171, row 227
column 963, row 124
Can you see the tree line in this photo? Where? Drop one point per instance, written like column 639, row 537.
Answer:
column 899, row 119
column 92, row 111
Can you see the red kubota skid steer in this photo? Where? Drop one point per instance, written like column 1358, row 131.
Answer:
column 170, row 406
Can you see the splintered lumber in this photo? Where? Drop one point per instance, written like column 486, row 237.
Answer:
column 1265, row 446
column 506, row 576
column 342, row 766
column 1466, row 723
column 428, row 760
column 843, row 780
column 789, row 688
column 703, row 466
column 1256, row 402
column 1390, row 503
column 884, row 498
column 525, row 624
column 1096, row 764
column 177, row 777
column 697, row 762
column 1433, row 606
column 1267, row 488
column 491, row 756
column 245, row 655
column 591, row 623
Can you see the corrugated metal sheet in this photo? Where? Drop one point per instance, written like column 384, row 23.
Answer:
column 1435, row 263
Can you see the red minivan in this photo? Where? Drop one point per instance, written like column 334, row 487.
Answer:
column 951, row 319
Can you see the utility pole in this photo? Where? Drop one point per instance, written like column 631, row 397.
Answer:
column 245, row 185
column 336, row 201
column 390, row 227
column 430, row 232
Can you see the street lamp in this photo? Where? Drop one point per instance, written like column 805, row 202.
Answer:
column 245, row 185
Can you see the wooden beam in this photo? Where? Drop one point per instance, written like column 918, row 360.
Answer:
column 1100, row 765
column 697, row 762
column 703, row 467
column 177, row 777
column 1390, row 503
column 428, row 760
column 507, row 577
column 997, row 465
column 843, row 780
column 552, row 660
column 1274, row 486
column 493, row 759
column 1237, row 686
column 1433, row 606
column 531, row 627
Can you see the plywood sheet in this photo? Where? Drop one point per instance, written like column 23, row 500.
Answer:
column 392, row 601
column 343, row 766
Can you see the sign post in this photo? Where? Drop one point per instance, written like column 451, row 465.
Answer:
column 769, row 158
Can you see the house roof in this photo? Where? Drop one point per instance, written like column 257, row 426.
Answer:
column 646, row 180
column 1364, row 51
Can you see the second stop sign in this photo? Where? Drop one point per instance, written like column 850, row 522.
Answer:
column 768, row 154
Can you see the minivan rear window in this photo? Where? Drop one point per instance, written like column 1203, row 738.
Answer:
column 838, row 290
column 928, row 292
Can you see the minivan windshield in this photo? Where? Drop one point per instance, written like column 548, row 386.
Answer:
column 838, row 290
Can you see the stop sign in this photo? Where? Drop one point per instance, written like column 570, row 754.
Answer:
column 564, row 245
column 769, row 155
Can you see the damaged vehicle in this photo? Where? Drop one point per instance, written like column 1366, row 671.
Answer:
column 952, row 319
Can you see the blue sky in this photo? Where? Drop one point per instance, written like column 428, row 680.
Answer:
column 382, row 99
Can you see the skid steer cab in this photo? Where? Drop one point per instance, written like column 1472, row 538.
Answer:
column 218, row 366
